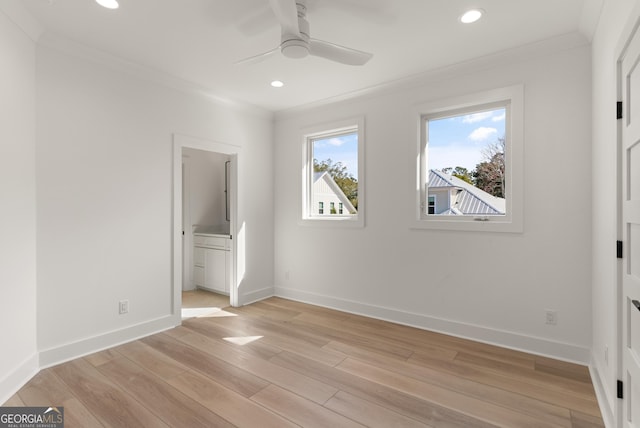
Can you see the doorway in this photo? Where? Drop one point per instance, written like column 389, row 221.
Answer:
column 183, row 257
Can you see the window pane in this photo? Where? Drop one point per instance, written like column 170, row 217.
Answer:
column 466, row 164
column 335, row 171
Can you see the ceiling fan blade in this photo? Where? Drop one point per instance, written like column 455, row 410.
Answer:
column 257, row 58
column 338, row 53
column 286, row 12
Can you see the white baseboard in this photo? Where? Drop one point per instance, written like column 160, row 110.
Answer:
column 505, row 339
column 602, row 395
column 255, row 296
column 18, row 377
column 51, row 357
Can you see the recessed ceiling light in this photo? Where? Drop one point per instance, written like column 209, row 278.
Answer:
column 277, row 84
column 109, row 4
column 471, row 16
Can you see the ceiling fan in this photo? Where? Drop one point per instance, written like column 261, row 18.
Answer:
column 295, row 41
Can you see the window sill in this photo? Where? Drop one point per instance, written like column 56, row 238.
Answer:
column 469, row 225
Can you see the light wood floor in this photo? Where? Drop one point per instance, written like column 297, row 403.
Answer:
column 279, row 363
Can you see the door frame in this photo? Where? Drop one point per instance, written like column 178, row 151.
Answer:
column 180, row 142
column 631, row 28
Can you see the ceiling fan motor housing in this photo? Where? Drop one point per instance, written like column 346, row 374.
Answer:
column 297, row 45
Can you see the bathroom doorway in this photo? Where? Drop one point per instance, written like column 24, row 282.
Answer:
column 204, row 224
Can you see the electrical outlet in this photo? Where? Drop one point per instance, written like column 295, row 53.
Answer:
column 123, row 307
column 551, row 317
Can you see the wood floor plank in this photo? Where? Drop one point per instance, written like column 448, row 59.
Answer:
column 102, row 357
column 539, row 409
column 230, row 405
column 382, row 395
column 580, row 420
column 499, row 380
column 342, row 334
column 563, row 369
column 369, row 414
column 275, row 336
column 164, row 401
column 444, row 397
column 217, row 331
column 153, row 360
column 226, row 374
column 293, row 381
column 578, row 388
column 46, row 389
column 108, row 403
column 300, row 410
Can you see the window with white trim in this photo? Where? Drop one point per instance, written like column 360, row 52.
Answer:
column 469, row 162
column 333, row 168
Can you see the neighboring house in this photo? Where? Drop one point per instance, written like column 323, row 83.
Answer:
column 449, row 195
column 328, row 198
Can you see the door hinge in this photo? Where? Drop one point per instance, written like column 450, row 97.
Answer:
column 619, row 110
column 620, row 390
column 619, row 249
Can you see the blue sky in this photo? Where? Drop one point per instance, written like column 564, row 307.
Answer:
column 339, row 149
column 459, row 140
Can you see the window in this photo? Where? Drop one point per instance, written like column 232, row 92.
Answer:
column 469, row 169
column 431, row 209
column 320, row 208
column 332, row 173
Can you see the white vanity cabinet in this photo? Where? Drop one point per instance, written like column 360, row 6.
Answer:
column 211, row 262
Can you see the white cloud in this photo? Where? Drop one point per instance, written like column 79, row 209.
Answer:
column 477, row 117
column 336, row 142
column 482, row 133
column 499, row 118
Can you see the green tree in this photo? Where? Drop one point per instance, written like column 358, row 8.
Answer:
column 345, row 181
column 461, row 172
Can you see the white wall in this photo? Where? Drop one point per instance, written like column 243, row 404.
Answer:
column 615, row 15
column 104, row 168
column 491, row 287
column 18, row 359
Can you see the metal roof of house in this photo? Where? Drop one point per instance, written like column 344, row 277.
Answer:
column 470, row 199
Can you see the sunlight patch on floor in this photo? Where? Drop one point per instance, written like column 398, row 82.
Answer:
column 242, row 340
column 205, row 313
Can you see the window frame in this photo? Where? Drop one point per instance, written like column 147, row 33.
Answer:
column 315, row 132
column 512, row 99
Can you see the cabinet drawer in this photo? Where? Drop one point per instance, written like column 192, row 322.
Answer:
column 219, row 242
column 216, row 242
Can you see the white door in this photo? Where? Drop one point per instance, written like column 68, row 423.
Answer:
column 630, row 233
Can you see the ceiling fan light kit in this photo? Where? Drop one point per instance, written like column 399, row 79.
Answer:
column 295, row 40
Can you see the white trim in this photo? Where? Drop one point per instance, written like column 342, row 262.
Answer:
column 258, row 295
column 19, row 377
column 602, row 394
column 512, row 98
column 70, row 351
column 506, row 339
column 180, row 141
column 333, row 127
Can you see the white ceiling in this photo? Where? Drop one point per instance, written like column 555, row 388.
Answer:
column 198, row 41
